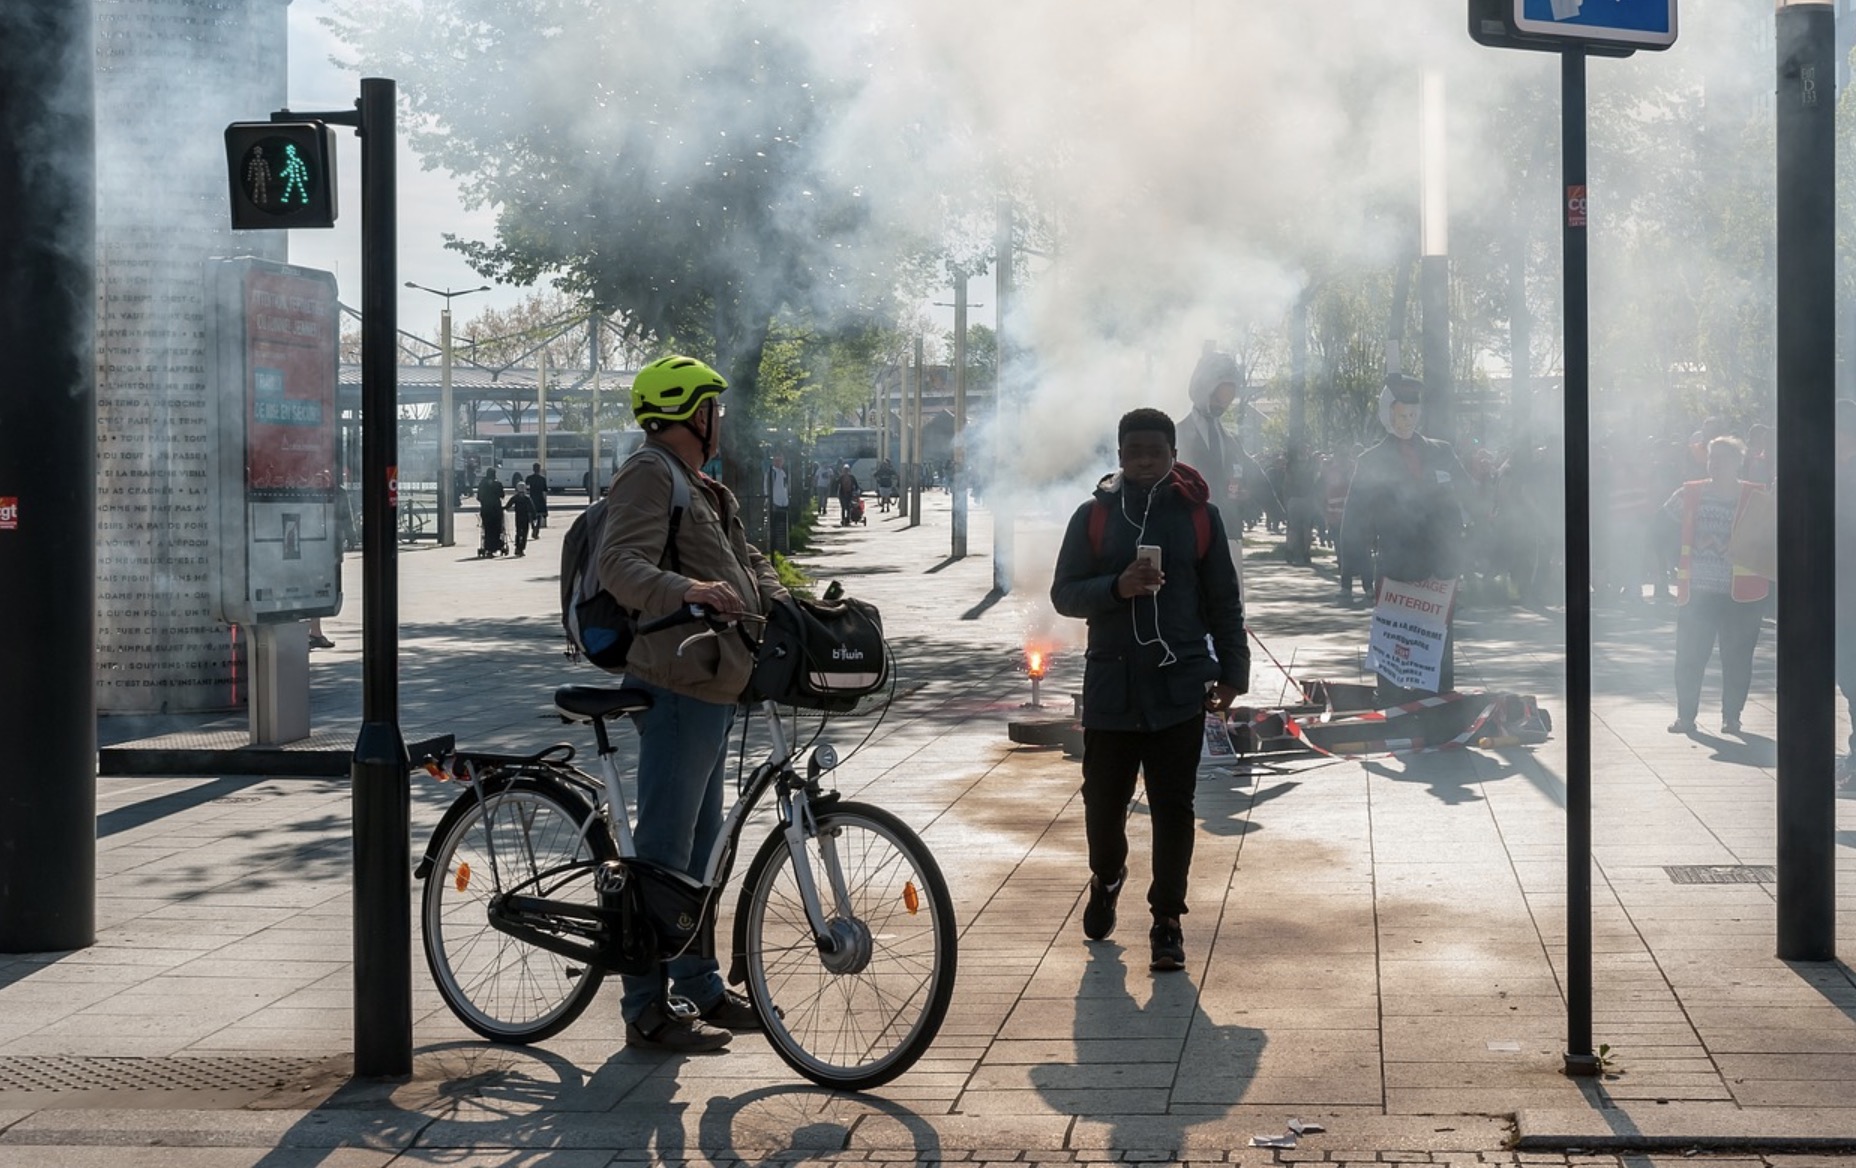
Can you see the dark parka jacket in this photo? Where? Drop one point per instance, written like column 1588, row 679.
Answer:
column 1406, row 507
column 1125, row 686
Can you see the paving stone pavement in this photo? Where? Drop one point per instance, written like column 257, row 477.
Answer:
column 1375, row 945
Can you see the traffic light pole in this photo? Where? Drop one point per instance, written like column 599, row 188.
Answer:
column 382, row 790
column 379, row 772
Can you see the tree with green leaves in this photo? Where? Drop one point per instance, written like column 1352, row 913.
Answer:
column 678, row 165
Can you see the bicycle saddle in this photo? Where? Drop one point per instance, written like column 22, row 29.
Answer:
column 593, row 701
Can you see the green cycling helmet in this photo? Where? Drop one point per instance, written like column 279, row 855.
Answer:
column 671, row 389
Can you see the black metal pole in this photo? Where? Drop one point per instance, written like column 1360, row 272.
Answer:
column 48, row 516
column 382, row 795
column 1580, row 1058
column 1807, row 330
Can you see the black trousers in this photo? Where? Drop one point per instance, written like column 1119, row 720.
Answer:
column 1706, row 618
column 1168, row 762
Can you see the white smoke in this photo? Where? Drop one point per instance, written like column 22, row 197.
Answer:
column 1186, row 169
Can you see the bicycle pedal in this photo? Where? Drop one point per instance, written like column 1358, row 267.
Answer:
column 681, row 1008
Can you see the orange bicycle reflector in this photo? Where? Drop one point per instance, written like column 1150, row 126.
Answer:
column 432, row 768
column 462, row 880
column 911, row 899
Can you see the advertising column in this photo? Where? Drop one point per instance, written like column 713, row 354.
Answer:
column 280, row 545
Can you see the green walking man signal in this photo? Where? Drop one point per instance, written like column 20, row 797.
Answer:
column 282, row 175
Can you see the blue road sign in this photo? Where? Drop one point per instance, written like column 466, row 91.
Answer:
column 1642, row 24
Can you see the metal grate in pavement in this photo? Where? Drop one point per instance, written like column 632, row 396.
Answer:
column 1721, row 873
column 60, row 1074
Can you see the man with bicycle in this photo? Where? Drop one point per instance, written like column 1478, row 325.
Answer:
column 653, row 560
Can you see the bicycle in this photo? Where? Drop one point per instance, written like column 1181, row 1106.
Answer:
column 412, row 520
column 843, row 931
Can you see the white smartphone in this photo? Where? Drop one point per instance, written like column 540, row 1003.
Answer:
column 1148, row 553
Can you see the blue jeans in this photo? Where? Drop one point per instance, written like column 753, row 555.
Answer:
column 682, row 750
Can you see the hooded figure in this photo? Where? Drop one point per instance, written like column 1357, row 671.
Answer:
column 1203, row 444
column 1206, row 447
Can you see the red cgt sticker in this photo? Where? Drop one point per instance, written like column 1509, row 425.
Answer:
column 9, row 513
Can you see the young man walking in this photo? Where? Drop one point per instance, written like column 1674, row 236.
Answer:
column 683, row 737
column 1146, row 563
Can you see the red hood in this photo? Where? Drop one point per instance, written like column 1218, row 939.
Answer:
column 1189, row 483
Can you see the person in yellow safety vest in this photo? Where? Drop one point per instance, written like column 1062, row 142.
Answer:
column 1715, row 598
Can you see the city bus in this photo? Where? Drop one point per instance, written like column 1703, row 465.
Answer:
column 569, row 455
column 852, row 444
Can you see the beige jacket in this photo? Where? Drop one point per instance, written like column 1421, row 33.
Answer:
column 712, row 544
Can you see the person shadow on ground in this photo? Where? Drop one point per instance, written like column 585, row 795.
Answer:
column 1451, row 776
column 1147, row 1070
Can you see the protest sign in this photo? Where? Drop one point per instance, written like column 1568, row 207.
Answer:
column 1410, row 622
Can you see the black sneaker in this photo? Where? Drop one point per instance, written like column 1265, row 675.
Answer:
column 732, row 1012
column 1169, row 946
column 663, row 1030
column 1099, row 913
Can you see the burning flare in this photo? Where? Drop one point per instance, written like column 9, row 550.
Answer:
column 1037, row 662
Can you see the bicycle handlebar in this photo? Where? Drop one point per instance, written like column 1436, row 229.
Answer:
column 686, row 614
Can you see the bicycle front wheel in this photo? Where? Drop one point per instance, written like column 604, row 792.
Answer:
column 527, row 838
column 863, row 1013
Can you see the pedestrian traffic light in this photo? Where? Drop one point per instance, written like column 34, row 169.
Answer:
column 282, row 174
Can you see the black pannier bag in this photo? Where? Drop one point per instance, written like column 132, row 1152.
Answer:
column 822, row 655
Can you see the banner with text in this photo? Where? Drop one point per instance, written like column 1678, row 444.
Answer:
column 1409, row 624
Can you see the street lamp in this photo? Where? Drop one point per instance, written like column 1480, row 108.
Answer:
column 1434, row 264
column 447, row 489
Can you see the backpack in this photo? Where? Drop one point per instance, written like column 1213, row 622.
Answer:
column 599, row 628
column 1201, row 527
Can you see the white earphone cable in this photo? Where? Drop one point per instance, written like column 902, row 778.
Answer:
column 1140, row 536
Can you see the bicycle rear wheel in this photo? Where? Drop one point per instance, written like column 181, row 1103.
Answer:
column 503, row 988
column 863, row 1014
